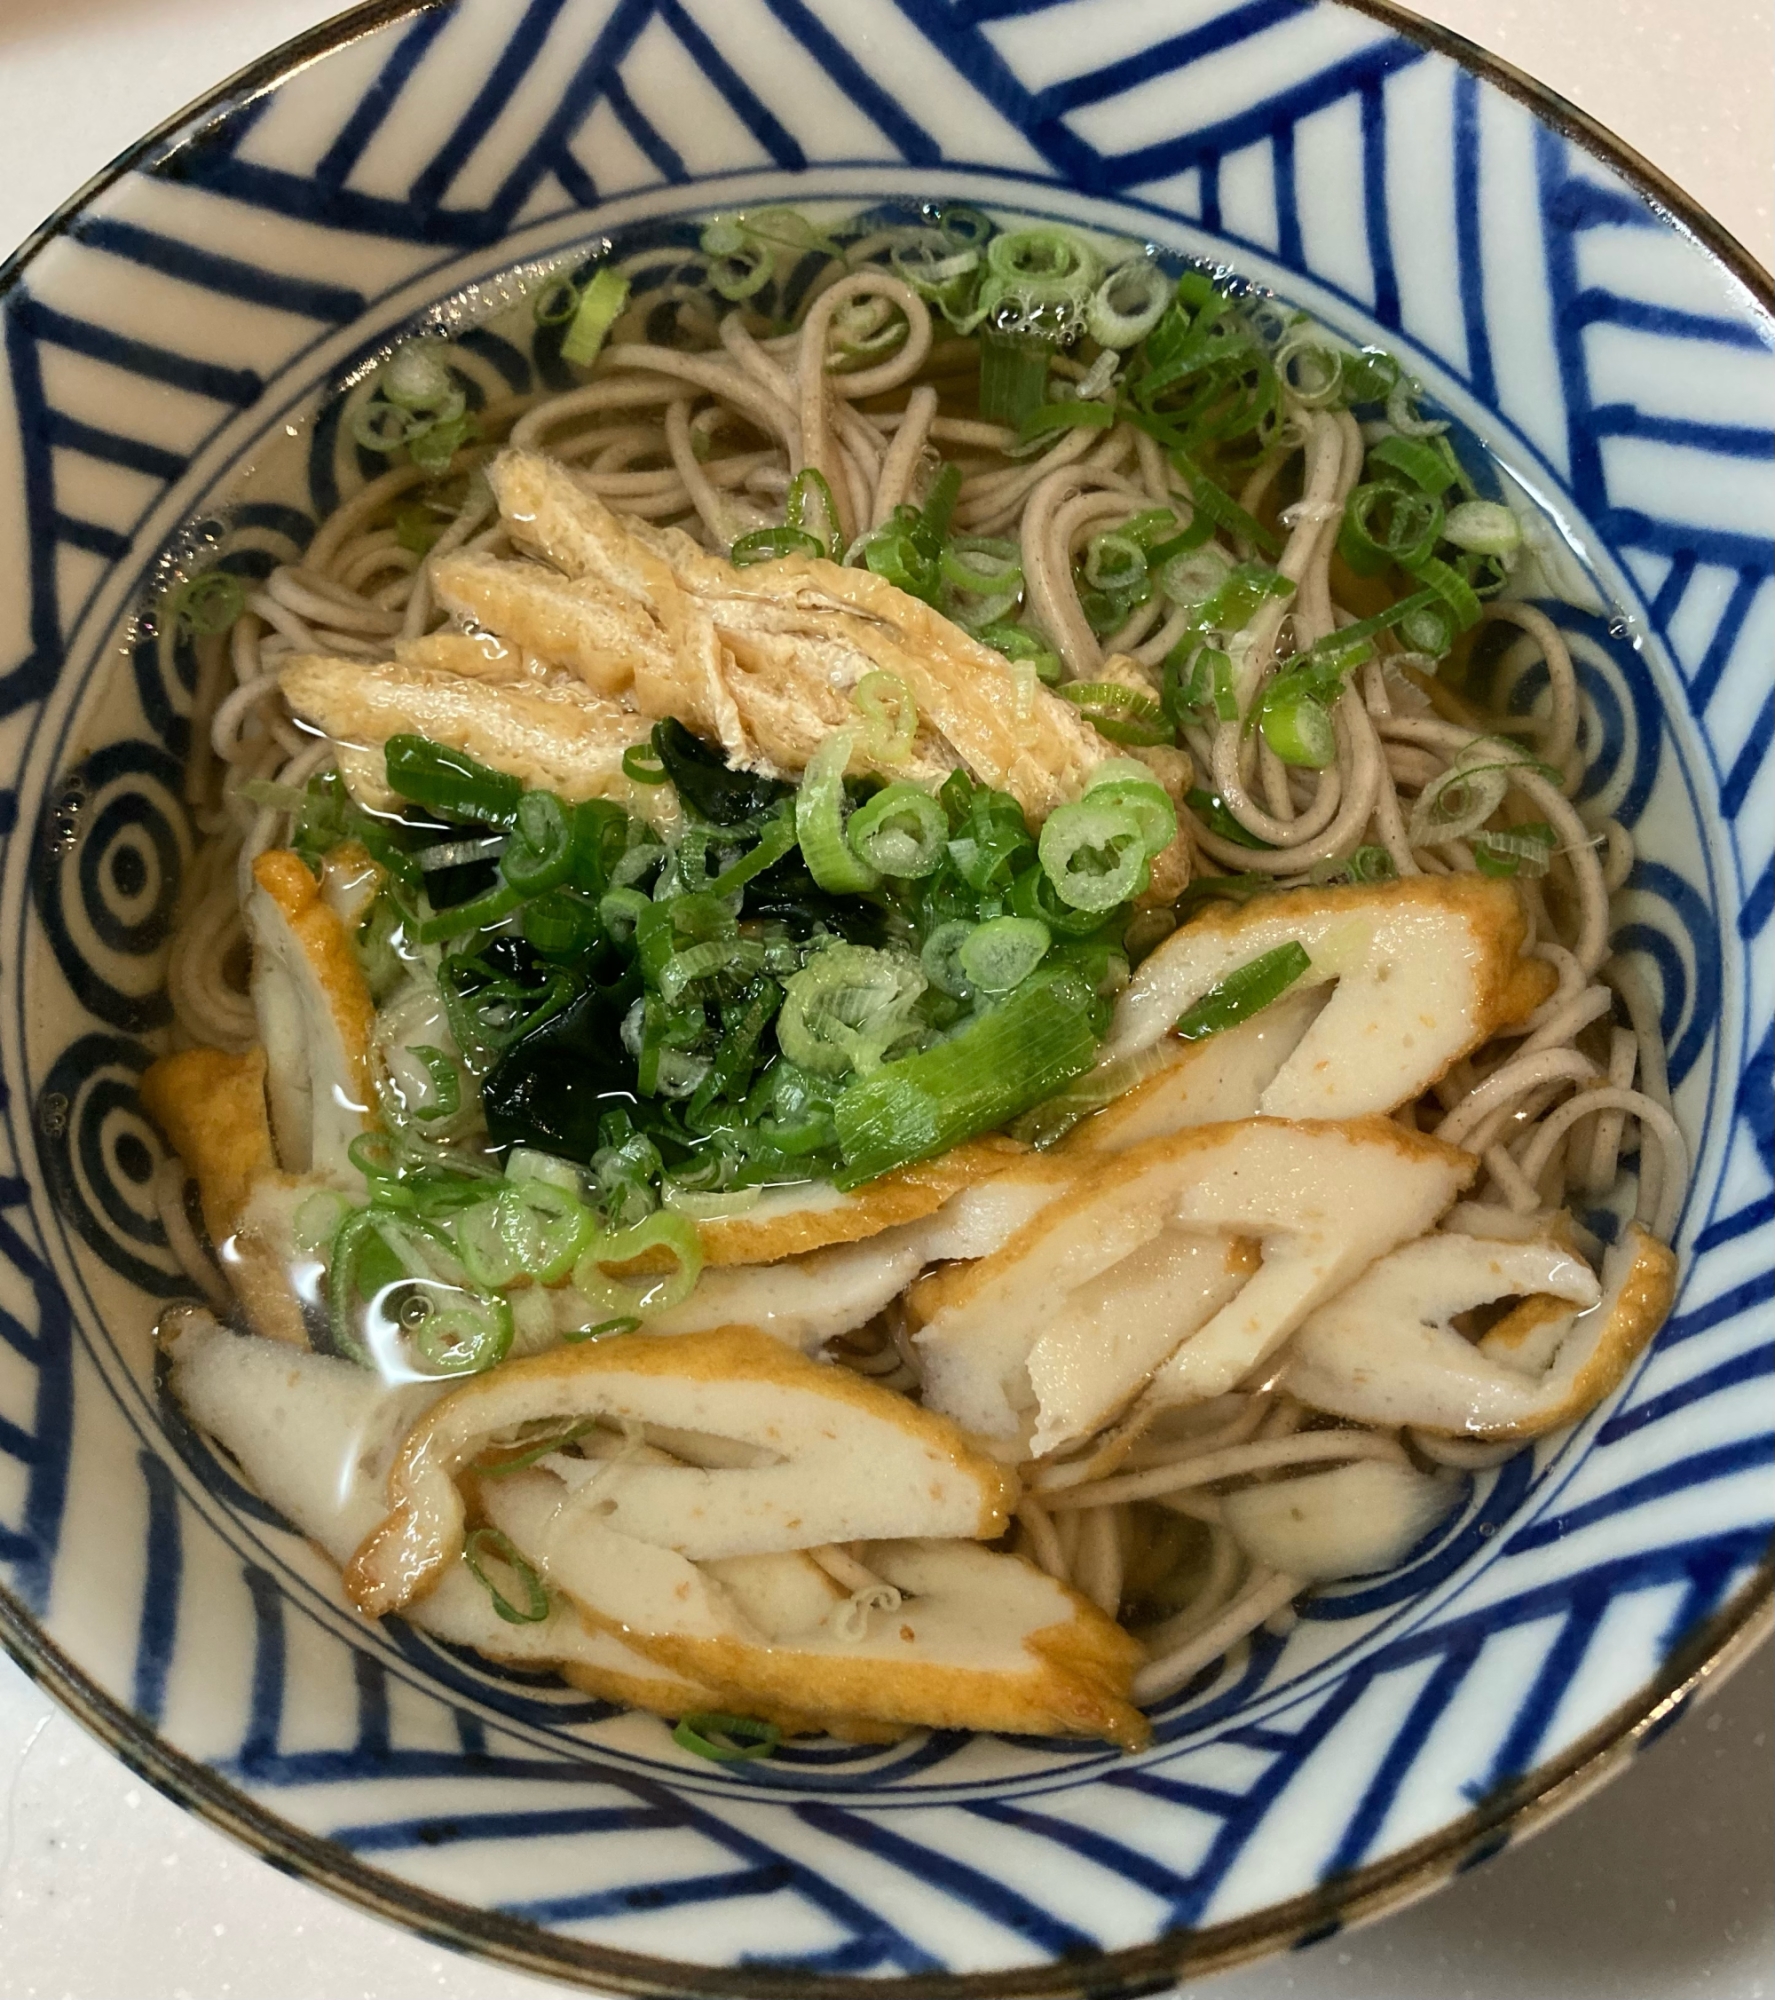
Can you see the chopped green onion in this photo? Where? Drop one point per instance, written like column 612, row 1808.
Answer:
column 1212, row 811
column 1191, row 578
column 890, row 716
column 600, row 305
column 736, row 957
column 1247, row 586
column 1245, row 992
column 556, row 303
column 603, row 1329
column 1369, row 376
column 1370, row 863
column 846, row 1007
column 1224, row 511
column 652, row 1292
column 1453, row 588
column 820, row 821
column 1422, row 464
column 1123, row 782
column 1019, row 644
column 998, row 956
column 450, row 782
column 727, row 1739
column 1385, row 524
column 480, row 913
column 418, row 377
column 641, row 765
column 417, row 528
column 1299, row 730
column 1520, row 849
column 1484, row 527
column 810, row 484
column 1049, row 417
column 940, row 957
column 932, row 264
column 538, row 852
column 489, row 1545
column 1033, row 895
column 446, row 1082
column 560, row 924
column 382, row 427
column 1014, row 377
column 1114, row 561
column 982, row 566
column 902, row 832
column 768, row 544
column 1094, row 853
column 774, row 842
column 1128, row 304
column 1121, row 713
column 530, row 1229
column 1313, row 375
column 532, row 1454
column 1040, row 1038
column 461, row 1332
column 209, row 603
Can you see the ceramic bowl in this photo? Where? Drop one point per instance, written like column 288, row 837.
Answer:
column 220, row 283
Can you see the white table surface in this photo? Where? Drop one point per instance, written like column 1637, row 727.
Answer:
column 1661, row 1888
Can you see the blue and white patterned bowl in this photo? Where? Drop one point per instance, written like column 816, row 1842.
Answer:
column 1612, row 345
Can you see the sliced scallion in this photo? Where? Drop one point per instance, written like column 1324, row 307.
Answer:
column 600, row 306
column 890, row 716
column 901, row 832
column 846, row 1008
column 489, row 1545
column 652, row 1292
column 1094, row 853
column 999, row 955
column 603, row 1329
column 1040, row 1038
column 1299, row 730
column 820, row 813
column 727, row 1739
column 450, row 782
column 1245, row 992
column 446, row 1082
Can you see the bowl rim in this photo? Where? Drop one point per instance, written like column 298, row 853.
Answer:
column 1527, row 1804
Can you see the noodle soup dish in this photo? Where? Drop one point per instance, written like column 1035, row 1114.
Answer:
column 885, row 1083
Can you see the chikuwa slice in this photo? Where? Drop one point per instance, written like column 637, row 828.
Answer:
column 1386, row 1351
column 316, row 1018
column 315, row 1435
column 844, row 1460
column 1185, row 1261
column 945, row 1635
column 1423, row 970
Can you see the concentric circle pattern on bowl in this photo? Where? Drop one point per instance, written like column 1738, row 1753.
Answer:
column 235, row 270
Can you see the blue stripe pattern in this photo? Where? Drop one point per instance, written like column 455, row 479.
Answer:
column 1411, row 202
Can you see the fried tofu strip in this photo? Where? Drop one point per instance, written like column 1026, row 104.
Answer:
column 315, row 1435
column 563, row 739
column 786, row 641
